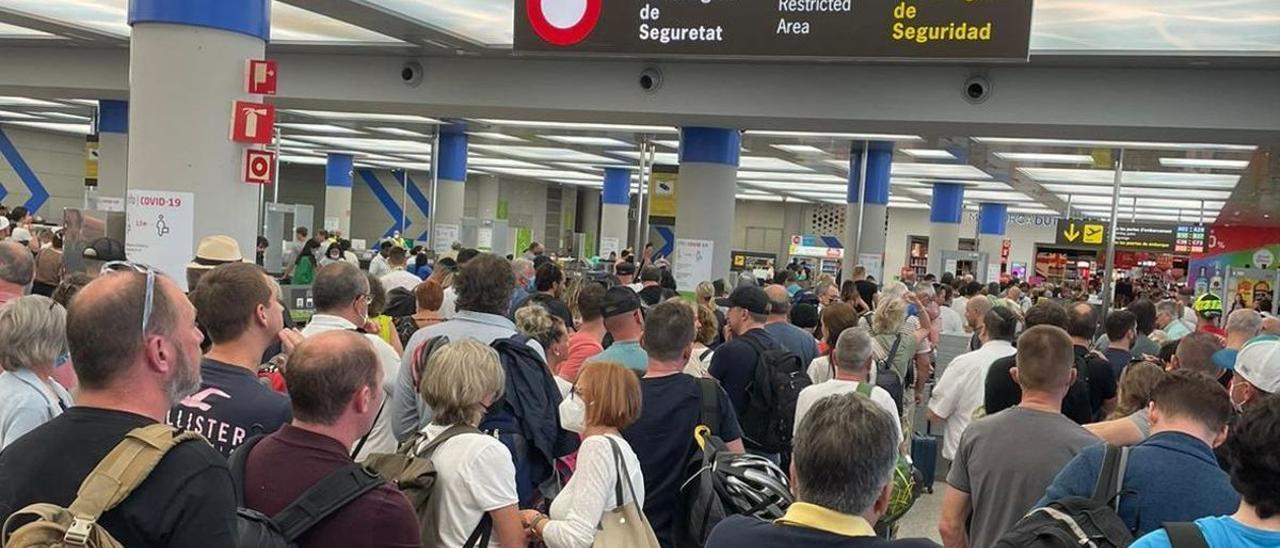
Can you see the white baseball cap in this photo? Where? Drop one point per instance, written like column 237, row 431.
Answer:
column 1259, row 363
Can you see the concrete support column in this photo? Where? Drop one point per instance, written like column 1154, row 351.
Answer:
column 337, row 191
column 992, row 221
column 589, row 219
column 944, row 223
column 186, row 67
column 486, row 196
column 451, row 196
column 113, row 148
column 615, row 204
column 873, row 208
column 708, row 181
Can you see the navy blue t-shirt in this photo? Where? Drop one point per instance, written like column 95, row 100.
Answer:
column 231, row 406
column 734, row 365
column 663, row 441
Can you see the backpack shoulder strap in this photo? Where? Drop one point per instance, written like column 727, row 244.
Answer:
column 710, row 404
column 238, row 461
column 1111, row 476
column 1185, row 535
column 122, row 471
column 893, row 352
column 449, row 433
column 336, row 490
column 704, row 354
column 864, row 389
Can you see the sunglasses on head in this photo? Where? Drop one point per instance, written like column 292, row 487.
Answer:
column 114, row 267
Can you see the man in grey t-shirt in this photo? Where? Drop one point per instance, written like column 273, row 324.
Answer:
column 1006, row 461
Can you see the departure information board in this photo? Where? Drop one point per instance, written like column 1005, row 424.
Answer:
column 959, row 30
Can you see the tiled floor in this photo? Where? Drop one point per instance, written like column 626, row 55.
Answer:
column 922, row 520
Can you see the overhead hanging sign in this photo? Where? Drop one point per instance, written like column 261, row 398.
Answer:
column 663, row 184
column 1131, row 236
column 958, row 30
column 808, row 245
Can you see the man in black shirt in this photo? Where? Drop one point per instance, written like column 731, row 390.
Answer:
column 1002, row 392
column 239, row 307
column 136, row 349
column 1082, row 322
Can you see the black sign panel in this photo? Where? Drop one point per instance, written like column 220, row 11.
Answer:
column 1154, row 237
column 820, row 29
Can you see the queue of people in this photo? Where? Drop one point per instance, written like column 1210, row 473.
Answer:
column 483, row 401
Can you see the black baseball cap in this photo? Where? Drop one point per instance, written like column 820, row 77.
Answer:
column 105, row 249
column 750, row 298
column 625, row 268
column 618, row 301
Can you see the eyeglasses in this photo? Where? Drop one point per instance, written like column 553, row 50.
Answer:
column 126, row 266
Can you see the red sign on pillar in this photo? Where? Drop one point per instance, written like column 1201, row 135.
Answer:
column 262, row 77
column 259, row 167
column 252, row 122
column 1004, row 250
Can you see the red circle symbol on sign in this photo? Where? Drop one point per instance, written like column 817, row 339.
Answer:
column 259, row 167
column 544, row 17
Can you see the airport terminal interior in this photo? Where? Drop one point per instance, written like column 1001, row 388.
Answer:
column 1085, row 151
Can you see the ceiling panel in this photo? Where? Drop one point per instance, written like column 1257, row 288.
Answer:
column 288, row 24
column 487, row 22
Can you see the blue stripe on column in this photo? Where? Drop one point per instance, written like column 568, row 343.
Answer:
column 832, row 242
column 453, row 155
column 879, row 163
column 337, row 170
column 709, row 145
column 28, row 177
column 948, row 203
column 992, row 219
column 669, row 240
column 416, row 195
column 617, row 186
column 113, row 116
column 388, row 203
column 251, row 17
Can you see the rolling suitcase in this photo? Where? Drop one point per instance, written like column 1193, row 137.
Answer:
column 924, row 456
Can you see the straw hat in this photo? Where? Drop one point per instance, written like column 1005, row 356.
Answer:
column 214, row 251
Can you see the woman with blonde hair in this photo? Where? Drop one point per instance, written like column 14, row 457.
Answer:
column 706, row 328
column 836, row 317
column 33, row 343
column 475, row 476
column 536, row 322
column 605, row 401
column 891, row 336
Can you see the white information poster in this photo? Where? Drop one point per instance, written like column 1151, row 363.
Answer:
column 949, row 266
column 608, row 245
column 332, row 223
column 693, row 262
column 444, row 237
column 874, row 264
column 160, row 231
column 484, row 239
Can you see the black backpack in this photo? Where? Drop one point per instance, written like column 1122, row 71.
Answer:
column 702, row 507
column 336, row 490
column 1078, row 521
column 887, row 376
column 768, row 422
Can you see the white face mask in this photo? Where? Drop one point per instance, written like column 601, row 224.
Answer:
column 573, row 414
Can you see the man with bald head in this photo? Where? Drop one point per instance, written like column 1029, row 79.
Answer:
column 975, row 310
column 796, row 340
column 136, row 350
column 17, row 270
column 1082, row 325
column 335, row 385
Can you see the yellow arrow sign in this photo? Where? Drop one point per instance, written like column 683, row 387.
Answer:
column 1071, row 233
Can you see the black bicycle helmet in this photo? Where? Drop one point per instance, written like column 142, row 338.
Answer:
column 751, row 485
